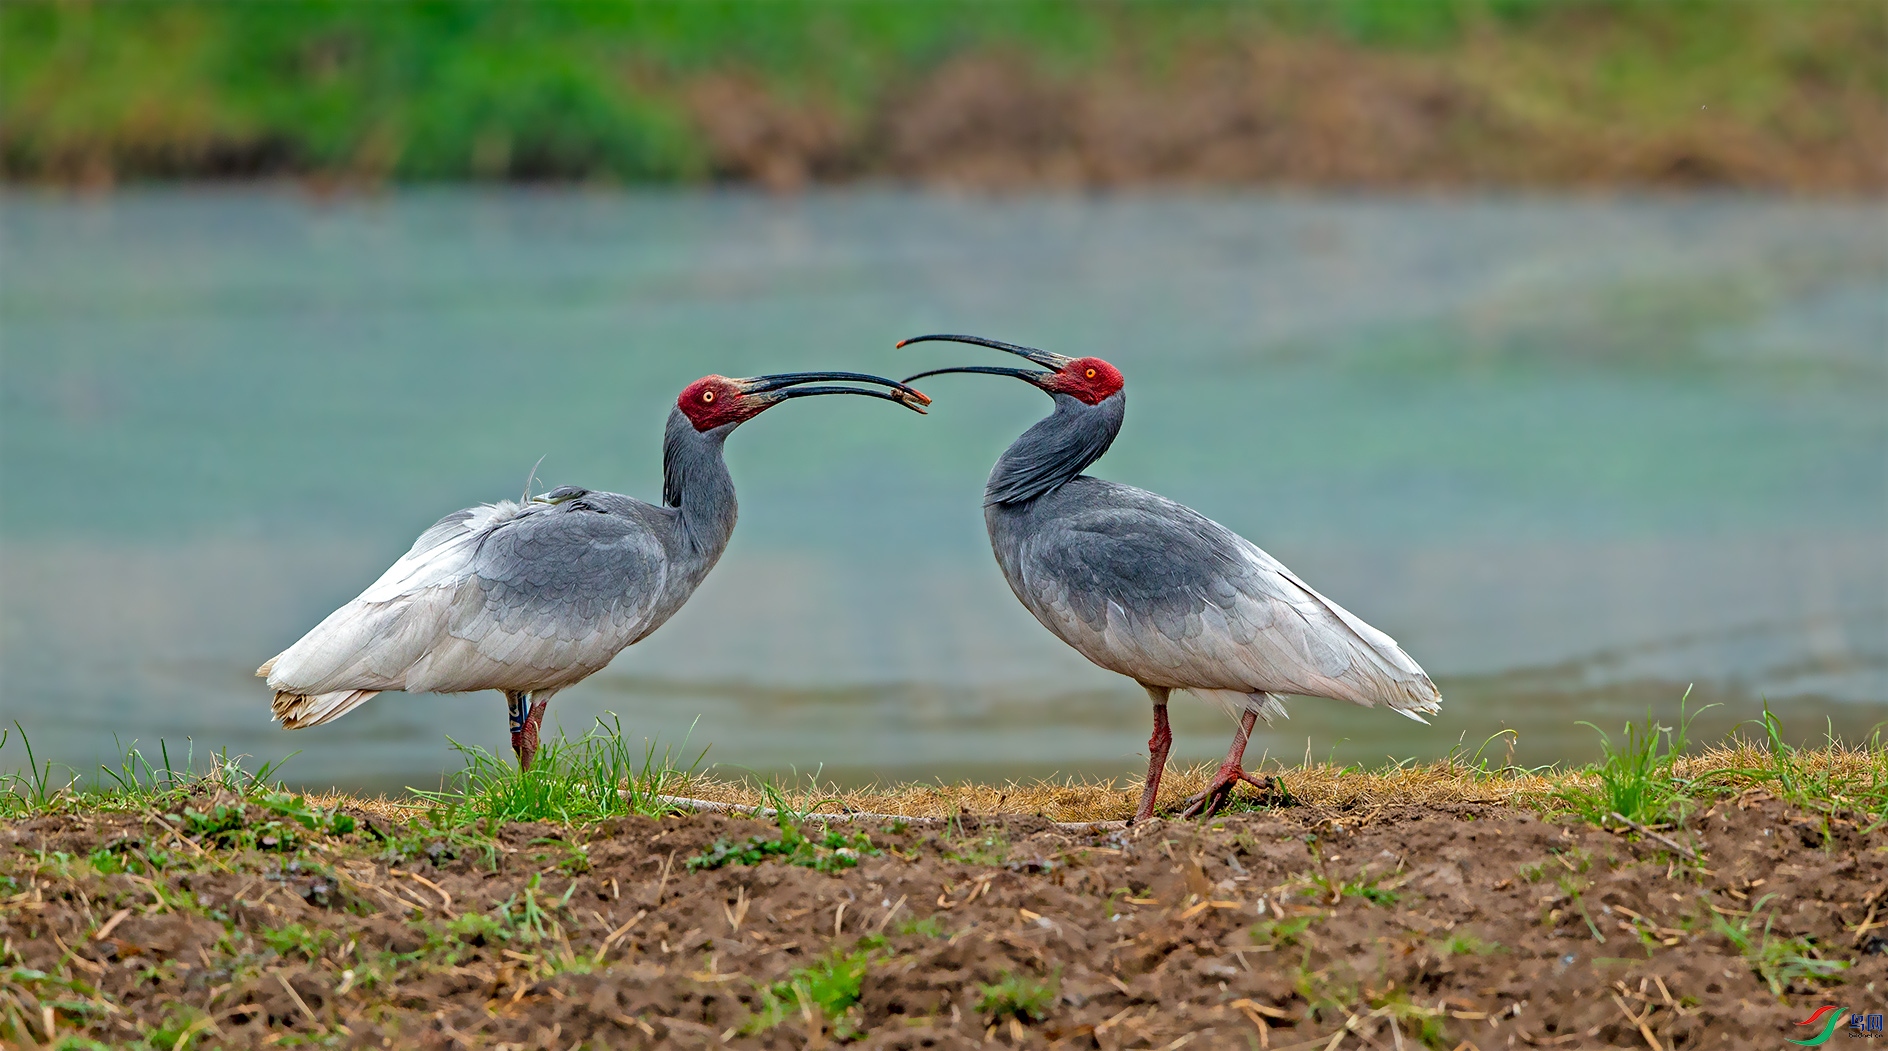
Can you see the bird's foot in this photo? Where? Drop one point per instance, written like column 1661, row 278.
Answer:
column 1219, row 792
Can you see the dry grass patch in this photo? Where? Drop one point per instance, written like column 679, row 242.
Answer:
column 1853, row 777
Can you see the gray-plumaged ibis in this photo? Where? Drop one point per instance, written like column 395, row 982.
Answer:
column 1158, row 592
column 529, row 598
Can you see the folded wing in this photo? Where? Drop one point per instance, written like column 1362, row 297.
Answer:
column 501, row 596
column 1150, row 588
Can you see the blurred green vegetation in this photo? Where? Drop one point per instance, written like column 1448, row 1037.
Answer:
column 553, row 89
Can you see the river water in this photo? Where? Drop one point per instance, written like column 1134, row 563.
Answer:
column 1576, row 454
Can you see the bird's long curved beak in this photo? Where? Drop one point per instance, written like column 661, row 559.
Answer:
column 780, row 386
column 915, row 400
column 1026, row 375
column 1041, row 357
column 779, row 380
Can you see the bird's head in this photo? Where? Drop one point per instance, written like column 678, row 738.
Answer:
column 717, row 401
column 1090, row 380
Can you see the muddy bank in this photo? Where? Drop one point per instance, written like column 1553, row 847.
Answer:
column 1302, row 113
column 1470, row 925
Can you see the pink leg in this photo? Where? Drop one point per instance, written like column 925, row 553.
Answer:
column 539, row 705
column 1157, row 747
column 527, row 716
column 1231, row 772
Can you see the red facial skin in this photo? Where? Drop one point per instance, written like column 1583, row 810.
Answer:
column 1089, row 379
column 714, row 401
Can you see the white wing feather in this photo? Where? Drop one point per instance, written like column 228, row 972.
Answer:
column 457, row 613
column 372, row 642
column 1226, row 620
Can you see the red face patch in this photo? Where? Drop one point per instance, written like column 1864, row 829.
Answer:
column 713, row 401
column 1090, row 379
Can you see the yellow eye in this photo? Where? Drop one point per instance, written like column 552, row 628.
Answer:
column 1090, row 374
column 707, row 395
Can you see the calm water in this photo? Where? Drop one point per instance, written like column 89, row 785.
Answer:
column 1574, row 454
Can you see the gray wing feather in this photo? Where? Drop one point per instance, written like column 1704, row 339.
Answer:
column 554, row 595
column 500, row 596
column 1152, row 589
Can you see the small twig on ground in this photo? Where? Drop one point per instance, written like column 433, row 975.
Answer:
column 297, row 997
column 663, row 885
column 105, row 929
column 618, row 933
column 879, row 927
column 444, row 898
column 186, row 840
column 1868, row 924
column 1644, row 831
column 1638, row 1020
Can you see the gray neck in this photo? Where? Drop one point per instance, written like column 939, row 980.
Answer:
column 1058, row 448
column 695, row 482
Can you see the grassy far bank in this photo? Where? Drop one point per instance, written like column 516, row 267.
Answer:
column 1686, row 898
column 1015, row 92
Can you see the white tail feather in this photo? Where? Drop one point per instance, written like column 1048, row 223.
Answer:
column 1272, row 710
column 1236, row 703
column 298, row 710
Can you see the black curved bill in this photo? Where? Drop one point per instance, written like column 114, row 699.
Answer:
column 778, row 380
column 1041, row 357
column 1026, row 375
column 915, row 400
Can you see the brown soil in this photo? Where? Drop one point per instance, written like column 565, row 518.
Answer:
column 1493, row 927
column 1298, row 112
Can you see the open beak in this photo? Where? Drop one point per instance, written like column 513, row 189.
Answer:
column 1052, row 362
column 1026, row 375
column 779, row 387
column 1040, row 357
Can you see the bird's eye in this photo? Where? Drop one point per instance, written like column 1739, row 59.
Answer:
column 1090, row 374
column 707, row 395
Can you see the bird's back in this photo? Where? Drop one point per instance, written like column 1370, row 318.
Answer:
column 1152, row 589
column 501, row 596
